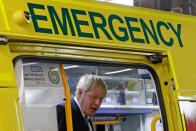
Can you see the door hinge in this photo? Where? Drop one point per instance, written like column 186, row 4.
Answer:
column 156, row 59
column 3, row 40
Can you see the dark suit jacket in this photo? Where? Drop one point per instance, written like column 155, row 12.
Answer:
column 79, row 123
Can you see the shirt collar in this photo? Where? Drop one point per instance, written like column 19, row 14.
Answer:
column 78, row 103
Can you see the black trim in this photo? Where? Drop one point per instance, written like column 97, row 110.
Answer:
column 160, row 98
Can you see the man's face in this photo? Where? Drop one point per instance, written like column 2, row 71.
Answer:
column 91, row 100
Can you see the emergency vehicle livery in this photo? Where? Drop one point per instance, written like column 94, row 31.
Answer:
column 146, row 58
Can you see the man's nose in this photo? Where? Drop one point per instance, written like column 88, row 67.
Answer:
column 98, row 102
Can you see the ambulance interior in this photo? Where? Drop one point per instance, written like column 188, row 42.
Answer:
column 131, row 99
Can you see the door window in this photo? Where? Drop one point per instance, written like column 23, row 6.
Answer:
column 131, row 93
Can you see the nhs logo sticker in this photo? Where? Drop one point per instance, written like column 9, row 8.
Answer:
column 36, row 68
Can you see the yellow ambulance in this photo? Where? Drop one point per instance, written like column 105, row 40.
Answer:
column 146, row 57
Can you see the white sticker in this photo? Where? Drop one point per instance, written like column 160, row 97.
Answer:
column 135, row 100
column 149, row 100
column 108, row 99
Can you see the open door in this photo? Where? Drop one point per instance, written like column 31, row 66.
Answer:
column 131, row 102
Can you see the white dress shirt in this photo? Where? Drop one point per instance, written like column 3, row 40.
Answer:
column 78, row 103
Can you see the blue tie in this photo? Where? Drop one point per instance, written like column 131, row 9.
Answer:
column 86, row 119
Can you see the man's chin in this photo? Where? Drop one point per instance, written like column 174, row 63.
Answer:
column 92, row 113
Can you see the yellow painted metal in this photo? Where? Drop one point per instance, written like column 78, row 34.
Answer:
column 154, row 121
column 68, row 111
column 24, row 41
column 105, row 9
column 7, row 122
column 4, row 21
column 52, row 50
column 107, row 122
column 184, row 78
column 16, row 109
column 7, row 77
column 19, row 18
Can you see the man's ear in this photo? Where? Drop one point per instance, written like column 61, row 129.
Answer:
column 80, row 93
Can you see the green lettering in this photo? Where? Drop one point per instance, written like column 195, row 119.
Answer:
column 162, row 24
column 97, row 25
column 36, row 17
column 147, row 31
column 78, row 23
column 125, row 37
column 63, row 25
column 133, row 29
column 177, row 33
